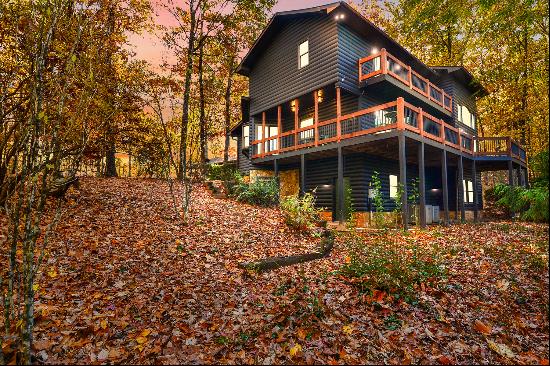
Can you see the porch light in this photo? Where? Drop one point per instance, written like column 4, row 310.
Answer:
column 319, row 95
column 374, row 51
column 293, row 105
column 339, row 17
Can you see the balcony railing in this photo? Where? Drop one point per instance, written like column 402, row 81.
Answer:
column 500, row 146
column 385, row 63
column 396, row 115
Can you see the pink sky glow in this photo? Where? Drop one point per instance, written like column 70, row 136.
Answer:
column 149, row 46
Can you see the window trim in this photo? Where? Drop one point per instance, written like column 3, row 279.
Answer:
column 300, row 54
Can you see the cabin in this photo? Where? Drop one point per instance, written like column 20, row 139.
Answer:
column 333, row 99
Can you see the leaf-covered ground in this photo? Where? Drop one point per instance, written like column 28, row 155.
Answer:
column 126, row 283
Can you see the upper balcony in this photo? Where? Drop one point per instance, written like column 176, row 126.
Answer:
column 384, row 65
column 396, row 115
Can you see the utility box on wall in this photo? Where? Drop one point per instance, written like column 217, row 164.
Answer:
column 435, row 217
column 429, row 214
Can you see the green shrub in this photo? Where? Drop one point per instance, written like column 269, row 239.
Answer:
column 378, row 201
column 539, row 166
column 225, row 172
column 531, row 203
column 300, row 213
column 262, row 192
column 388, row 264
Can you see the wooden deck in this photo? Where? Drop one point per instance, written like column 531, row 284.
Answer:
column 387, row 64
column 396, row 115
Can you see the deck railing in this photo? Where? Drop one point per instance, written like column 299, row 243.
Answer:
column 500, row 146
column 396, row 115
column 385, row 63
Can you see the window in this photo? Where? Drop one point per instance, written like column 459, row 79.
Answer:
column 308, row 135
column 468, row 189
column 306, row 122
column 466, row 117
column 246, row 136
column 271, row 144
column 393, row 186
column 376, row 64
column 258, row 136
column 303, row 54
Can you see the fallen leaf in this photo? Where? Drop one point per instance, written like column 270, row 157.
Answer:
column 295, row 349
column 501, row 349
column 347, row 329
column 482, row 328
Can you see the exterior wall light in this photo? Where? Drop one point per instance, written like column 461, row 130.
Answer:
column 319, row 95
column 339, row 17
column 293, row 105
column 374, row 51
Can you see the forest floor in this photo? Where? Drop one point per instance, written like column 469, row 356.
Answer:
column 124, row 282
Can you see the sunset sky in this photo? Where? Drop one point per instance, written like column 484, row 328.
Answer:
column 150, row 48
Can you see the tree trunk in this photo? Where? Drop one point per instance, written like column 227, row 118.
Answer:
column 186, row 93
column 202, row 120
column 227, row 123
column 110, row 159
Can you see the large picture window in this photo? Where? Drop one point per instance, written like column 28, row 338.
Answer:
column 303, row 54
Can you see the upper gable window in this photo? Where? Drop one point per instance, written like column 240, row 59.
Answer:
column 303, row 54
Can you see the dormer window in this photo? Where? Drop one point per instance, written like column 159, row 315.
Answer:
column 303, row 54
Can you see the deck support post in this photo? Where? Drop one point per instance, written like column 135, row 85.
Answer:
column 518, row 175
column 522, row 176
column 340, row 185
column 510, row 173
column 474, row 182
column 422, row 185
column 403, row 180
column 302, row 174
column 460, row 186
column 276, row 167
column 526, row 177
column 338, row 113
column 445, row 188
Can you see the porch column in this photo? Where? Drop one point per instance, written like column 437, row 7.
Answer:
column 422, row 185
column 403, row 180
column 302, row 174
column 445, row 188
column 460, row 188
column 510, row 173
column 340, row 185
column 474, row 182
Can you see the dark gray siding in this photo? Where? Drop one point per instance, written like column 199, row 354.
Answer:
column 359, row 168
column 461, row 95
column 351, row 47
column 276, row 78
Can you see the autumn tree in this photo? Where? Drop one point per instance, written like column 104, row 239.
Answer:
column 504, row 44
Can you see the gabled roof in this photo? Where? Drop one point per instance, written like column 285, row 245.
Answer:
column 464, row 77
column 353, row 19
